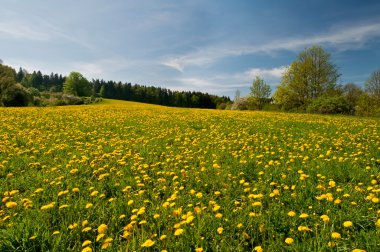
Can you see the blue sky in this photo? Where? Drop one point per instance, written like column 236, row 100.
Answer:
column 213, row 46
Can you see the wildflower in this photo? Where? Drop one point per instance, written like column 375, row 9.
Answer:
column 325, row 218
column 258, row 249
column 220, row 230
column 86, row 229
column 89, row 205
column 148, row 243
column 335, row 235
column 304, row 216
column 377, row 223
column 198, row 249
column 11, row 204
column 87, row 249
column 218, row 215
column 347, row 224
column 178, row 232
column 291, row 213
column 102, row 228
column 163, row 237
column 289, row 241
column 86, row 243
column 99, row 237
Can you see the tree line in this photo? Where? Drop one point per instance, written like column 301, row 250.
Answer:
column 310, row 84
column 21, row 88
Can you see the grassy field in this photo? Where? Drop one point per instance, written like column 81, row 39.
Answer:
column 124, row 176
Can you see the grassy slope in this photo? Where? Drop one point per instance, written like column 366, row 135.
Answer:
column 228, row 179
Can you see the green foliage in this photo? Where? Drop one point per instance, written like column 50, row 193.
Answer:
column 77, row 85
column 307, row 78
column 372, row 85
column 102, row 91
column 330, row 105
column 261, row 92
column 16, row 96
column 367, row 105
column 7, row 82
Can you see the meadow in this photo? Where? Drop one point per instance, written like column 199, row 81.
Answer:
column 123, row 176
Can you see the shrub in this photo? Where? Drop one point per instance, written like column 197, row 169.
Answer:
column 330, row 105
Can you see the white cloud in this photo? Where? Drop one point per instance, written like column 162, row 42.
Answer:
column 341, row 38
column 228, row 83
column 272, row 73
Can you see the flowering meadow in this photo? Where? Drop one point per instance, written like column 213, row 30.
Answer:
column 123, row 176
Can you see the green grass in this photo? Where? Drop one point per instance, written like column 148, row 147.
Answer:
column 190, row 169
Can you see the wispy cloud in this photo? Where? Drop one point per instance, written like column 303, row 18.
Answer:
column 342, row 38
column 227, row 83
column 35, row 29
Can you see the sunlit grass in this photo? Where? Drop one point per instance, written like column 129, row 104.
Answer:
column 124, row 176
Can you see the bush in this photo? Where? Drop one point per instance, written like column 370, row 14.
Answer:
column 16, row 96
column 367, row 106
column 330, row 105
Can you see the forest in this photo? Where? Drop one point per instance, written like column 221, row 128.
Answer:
column 21, row 88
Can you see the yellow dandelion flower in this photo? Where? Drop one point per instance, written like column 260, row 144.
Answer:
column 198, row 249
column 86, row 243
column 86, row 229
column 377, row 223
column 102, row 228
column 148, row 243
column 257, row 203
column 99, row 237
column 163, row 237
column 303, row 216
column 218, row 215
column 220, row 230
column 89, row 205
column 347, row 224
column 55, row 232
column 258, row 249
column 87, row 249
column 11, row 204
column 291, row 213
column 178, row 232
column 156, row 216
column 73, row 226
column 289, row 241
column 335, row 235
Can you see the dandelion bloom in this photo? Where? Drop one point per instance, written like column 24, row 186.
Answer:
column 378, row 223
column 178, row 232
column 86, row 243
column 148, row 243
column 87, row 249
column 291, row 213
column 335, row 235
column 258, row 249
column 289, row 241
column 347, row 224
column 304, row 216
column 220, row 230
column 99, row 237
column 198, row 249
column 358, row 250
column 325, row 218
column 10, row 204
column 102, row 228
